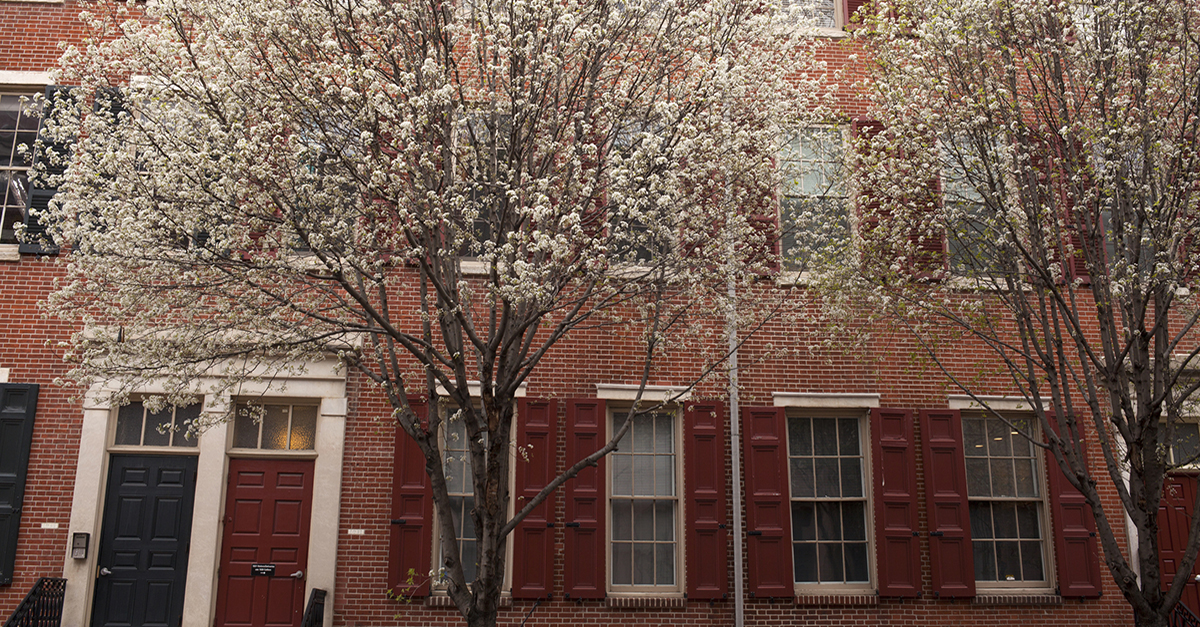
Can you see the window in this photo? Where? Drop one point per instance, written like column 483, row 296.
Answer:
column 1184, row 449
column 483, row 160
column 828, row 500
column 460, row 486
column 18, row 127
column 820, row 13
column 644, row 505
column 1005, row 496
column 814, row 213
column 138, row 426
column 275, row 427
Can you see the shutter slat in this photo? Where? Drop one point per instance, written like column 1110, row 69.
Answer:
column 896, row 507
column 707, row 539
column 768, row 507
column 584, row 539
column 18, row 406
column 410, row 546
column 533, row 544
column 951, row 556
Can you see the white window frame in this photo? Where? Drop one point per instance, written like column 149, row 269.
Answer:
column 1040, row 482
column 618, row 411
column 805, row 410
column 788, row 188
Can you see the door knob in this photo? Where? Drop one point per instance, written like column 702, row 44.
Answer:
column 297, row 575
column 104, row 572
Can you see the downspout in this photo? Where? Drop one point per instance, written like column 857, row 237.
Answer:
column 735, row 433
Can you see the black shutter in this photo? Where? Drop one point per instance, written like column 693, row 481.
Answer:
column 35, row 241
column 18, row 403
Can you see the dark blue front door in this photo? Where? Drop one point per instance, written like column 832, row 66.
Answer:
column 142, row 563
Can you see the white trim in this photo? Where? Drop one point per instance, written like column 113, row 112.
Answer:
column 819, row 400
column 651, row 393
column 10, row 252
column 475, row 389
column 15, row 78
column 3, row 375
column 995, row 403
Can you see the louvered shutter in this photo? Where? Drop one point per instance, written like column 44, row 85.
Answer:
column 705, row 523
column 768, row 507
column 533, row 542
column 951, row 556
column 894, row 458
column 18, row 404
column 410, row 546
column 584, row 541
column 35, row 241
column 1075, row 544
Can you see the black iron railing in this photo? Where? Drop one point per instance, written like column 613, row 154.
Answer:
column 1181, row 616
column 314, row 614
column 43, row 605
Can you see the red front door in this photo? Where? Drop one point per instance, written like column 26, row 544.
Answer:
column 264, row 548
column 1174, row 520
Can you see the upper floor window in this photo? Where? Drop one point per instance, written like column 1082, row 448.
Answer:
column 828, row 500
column 138, row 426
column 814, row 212
column 820, row 13
column 644, row 505
column 1004, row 490
column 275, row 426
column 460, row 487
column 18, row 128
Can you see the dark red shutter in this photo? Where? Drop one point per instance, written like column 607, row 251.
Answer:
column 768, row 508
column 705, row 520
column 850, row 8
column 410, row 547
column 951, row 556
column 584, row 562
column 533, row 544
column 18, row 406
column 1076, row 548
column 894, row 457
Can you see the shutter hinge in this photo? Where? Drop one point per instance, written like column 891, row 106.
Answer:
column 399, row 521
column 936, row 534
column 720, row 525
column 550, row 524
column 915, row 534
column 754, row 533
column 571, row 524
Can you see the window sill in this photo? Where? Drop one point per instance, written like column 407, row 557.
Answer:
column 439, row 598
column 9, row 252
column 645, row 602
column 1032, row 598
column 863, row 599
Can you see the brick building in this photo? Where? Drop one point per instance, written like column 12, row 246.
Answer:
column 873, row 493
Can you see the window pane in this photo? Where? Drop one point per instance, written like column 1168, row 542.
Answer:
column 829, row 561
column 158, row 428
column 304, row 428
column 245, row 429
column 664, row 475
column 803, row 521
column 799, row 436
column 643, row 564
column 622, row 471
column 985, row 562
column 829, row 521
column 129, row 425
column 828, row 481
column 856, row 562
column 1024, row 477
column 848, row 436
column 1008, row 561
column 622, row 516
column 664, row 440
column 643, row 520
column 1186, row 447
column 1004, row 516
column 1027, row 521
column 977, row 477
column 184, row 418
column 802, row 478
column 275, row 427
column 854, row 520
column 852, row 484
column 981, row 521
column 1031, row 561
column 974, row 441
column 804, row 559
column 999, row 438
column 643, row 475
column 664, row 521
column 825, row 436
column 622, row 564
column 664, row 564
column 643, row 435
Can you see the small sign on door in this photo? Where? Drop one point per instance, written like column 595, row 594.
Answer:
column 262, row 570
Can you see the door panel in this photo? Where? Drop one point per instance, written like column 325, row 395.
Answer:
column 142, row 558
column 1174, row 521
column 267, row 512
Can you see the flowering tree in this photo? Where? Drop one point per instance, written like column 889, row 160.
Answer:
column 1058, row 240
column 438, row 193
